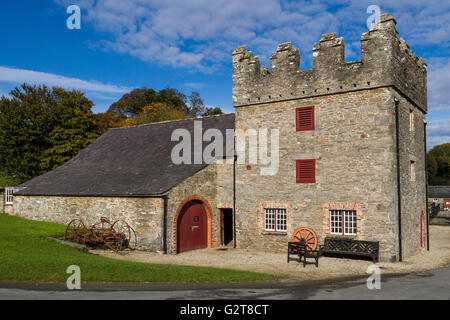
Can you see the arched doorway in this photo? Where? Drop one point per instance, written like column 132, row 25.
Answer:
column 192, row 227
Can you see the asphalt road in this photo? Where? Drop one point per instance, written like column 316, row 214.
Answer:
column 433, row 284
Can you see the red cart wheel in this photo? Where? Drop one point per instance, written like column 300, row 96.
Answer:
column 308, row 235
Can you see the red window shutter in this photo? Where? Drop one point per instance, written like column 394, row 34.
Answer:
column 306, row 171
column 304, row 118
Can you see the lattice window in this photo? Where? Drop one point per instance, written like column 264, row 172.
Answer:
column 275, row 220
column 9, row 198
column 270, row 220
column 335, row 222
column 350, row 222
column 343, row 222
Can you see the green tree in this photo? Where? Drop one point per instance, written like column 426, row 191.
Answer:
column 439, row 165
column 432, row 165
column 131, row 104
column 41, row 128
column 173, row 98
column 212, row 111
column 76, row 127
column 197, row 107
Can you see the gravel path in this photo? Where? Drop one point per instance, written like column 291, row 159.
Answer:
column 275, row 263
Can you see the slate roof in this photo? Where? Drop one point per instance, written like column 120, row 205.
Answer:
column 133, row 161
column 439, row 192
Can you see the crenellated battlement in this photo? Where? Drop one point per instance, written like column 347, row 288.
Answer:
column 386, row 61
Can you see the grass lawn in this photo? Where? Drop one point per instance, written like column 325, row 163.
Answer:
column 26, row 254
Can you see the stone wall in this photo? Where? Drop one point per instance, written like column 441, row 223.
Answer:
column 354, row 147
column 2, row 201
column 386, row 61
column 413, row 193
column 213, row 186
column 144, row 215
column 6, row 208
column 353, row 143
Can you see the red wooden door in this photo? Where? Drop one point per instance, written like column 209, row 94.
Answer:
column 192, row 227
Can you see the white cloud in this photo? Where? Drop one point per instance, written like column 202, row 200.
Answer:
column 439, row 85
column 201, row 34
column 195, row 85
column 436, row 141
column 13, row 75
column 438, row 132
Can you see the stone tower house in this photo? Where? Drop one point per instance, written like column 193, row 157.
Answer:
column 352, row 148
column 351, row 159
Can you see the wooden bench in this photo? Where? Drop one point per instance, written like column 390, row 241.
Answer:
column 350, row 247
column 302, row 251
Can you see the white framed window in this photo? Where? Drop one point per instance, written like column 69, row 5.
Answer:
column 9, row 198
column 343, row 222
column 335, row 222
column 275, row 220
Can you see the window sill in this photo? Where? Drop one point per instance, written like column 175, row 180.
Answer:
column 274, row 233
column 343, row 236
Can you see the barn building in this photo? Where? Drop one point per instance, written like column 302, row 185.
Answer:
column 439, row 196
column 351, row 142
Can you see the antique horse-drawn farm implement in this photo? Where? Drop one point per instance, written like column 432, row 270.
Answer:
column 117, row 235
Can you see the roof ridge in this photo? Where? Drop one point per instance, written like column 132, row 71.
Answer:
column 167, row 121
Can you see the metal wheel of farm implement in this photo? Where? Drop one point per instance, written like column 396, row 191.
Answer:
column 76, row 231
column 127, row 233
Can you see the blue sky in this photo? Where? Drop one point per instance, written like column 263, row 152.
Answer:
column 187, row 44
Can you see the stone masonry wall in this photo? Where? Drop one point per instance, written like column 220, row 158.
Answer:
column 2, row 201
column 212, row 185
column 354, row 141
column 6, row 208
column 386, row 61
column 413, row 193
column 354, row 147
column 144, row 215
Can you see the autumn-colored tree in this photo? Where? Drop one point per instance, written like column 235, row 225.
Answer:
column 156, row 112
column 41, row 128
column 107, row 120
column 131, row 104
